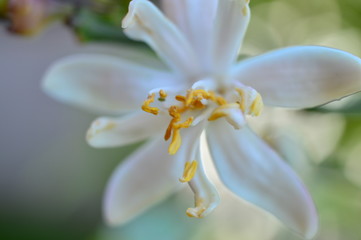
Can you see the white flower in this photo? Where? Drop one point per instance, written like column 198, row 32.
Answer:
column 201, row 85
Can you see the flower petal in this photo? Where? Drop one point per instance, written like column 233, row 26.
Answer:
column 115, row 132
column 141, row 55
column 300, row 77
column 147, row 23
column 230, row 27
column 196, row 20
column 206, row 196
column 147, row 177
column 253, row 171
column 102, row 83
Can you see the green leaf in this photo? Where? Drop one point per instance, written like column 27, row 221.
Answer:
column 3, row 7
column 101, row 21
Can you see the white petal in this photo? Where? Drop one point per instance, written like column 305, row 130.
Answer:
column 230, row 27
column 301, row 77
column 138, row 54
column 102, row 83
column 147, row 177
column 145, row 22
column 196, row 20
column 115, row 132
column 253, row 171
column 206, row 196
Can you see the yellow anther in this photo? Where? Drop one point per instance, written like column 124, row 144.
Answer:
column 216, row 115
column 190, row 169
column 196, row 95
column 198, row 210
column 146, row 105
column 162, row 95
column 198, row 214
column 189, row 97
column 180, row 98
column 198, row 105
column 176, row 139
column 221, row 101
column 256, row 106
column 219, row 111
column 176, row 142
column 168, row 132
column 185, row 124
column 174, row 111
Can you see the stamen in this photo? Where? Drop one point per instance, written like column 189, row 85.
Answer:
column 186, row 124
column 197, row 95
column 217, row 113
column 220, row 111
column 220, row 101
column 196, row 212
column 162, row 95
column 231, row 112
column 177, row 140
column 174, row 113
column 197, row 99
column 256, row 106
column 168, row 132
column 146, row 105
column 180, row 98
column 190, row 169
column 189, row 97
column 250, row 101
column 194, row 100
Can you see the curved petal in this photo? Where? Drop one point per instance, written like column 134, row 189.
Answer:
column 147, row 23
column 102, row 83
column 206, row 196
column 300, row 77
column 141, row 55
column 147, row 177
column 115, row 132
column 230, row 27
column 196, row 20
column 253, row 171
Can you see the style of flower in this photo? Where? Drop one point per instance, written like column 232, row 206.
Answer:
column 201, row 87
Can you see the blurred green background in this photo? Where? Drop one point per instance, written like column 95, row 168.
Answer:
column 51, row 182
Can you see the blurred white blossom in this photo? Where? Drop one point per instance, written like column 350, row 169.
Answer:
column 200, row 86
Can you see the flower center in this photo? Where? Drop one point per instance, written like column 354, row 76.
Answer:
column 200, row 104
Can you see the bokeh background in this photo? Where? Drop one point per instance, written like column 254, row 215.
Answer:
column 51, row 182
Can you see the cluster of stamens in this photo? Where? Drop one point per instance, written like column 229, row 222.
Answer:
column 192, row 101
column 198, row 99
